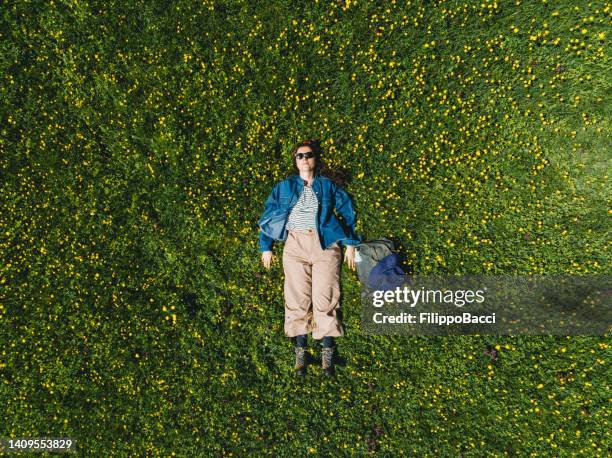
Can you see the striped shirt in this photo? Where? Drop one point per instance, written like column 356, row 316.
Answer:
column 303, row 215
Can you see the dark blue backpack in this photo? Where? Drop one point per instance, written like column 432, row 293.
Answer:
column 387, row 274
column 378, row 266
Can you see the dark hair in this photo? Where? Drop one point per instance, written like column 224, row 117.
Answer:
column 321, row 169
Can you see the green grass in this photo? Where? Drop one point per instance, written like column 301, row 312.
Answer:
column 139, row 141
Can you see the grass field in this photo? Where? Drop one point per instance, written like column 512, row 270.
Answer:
column 138, row 143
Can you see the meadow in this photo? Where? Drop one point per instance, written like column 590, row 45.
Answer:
column 139, row 140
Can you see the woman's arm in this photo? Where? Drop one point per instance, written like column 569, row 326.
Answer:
column 344, row 206
column 265, row 241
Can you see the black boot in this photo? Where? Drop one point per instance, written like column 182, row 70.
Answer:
column 300, row 360
column 327, row 360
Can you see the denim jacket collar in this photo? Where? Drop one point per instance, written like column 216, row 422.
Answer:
column 300, row 180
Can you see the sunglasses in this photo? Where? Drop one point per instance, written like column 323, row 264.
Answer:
column 307, row 155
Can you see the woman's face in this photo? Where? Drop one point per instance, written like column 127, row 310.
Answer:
column 305, row 164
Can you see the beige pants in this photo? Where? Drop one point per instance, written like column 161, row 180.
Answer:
column 312, row 286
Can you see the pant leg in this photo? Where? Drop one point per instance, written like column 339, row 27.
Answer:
column 298, row 286
column 326, row 291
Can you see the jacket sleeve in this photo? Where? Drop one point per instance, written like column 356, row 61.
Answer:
column 265, row 241
column 344, row 206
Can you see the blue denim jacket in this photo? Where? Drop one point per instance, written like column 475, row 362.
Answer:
column 286, row 194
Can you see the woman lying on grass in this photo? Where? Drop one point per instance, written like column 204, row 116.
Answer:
column 300, row 212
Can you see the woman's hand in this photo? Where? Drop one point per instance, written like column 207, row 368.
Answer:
column 266, row 258
column 349, row 256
